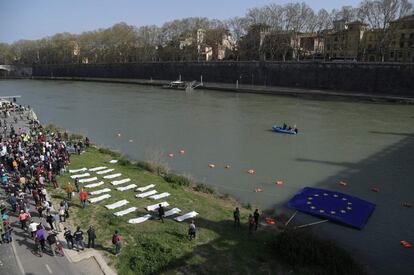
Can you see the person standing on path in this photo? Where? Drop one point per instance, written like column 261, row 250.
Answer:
column 50, row 220
column 116, row 240
column 256, row 218
column 51, row 239
column 68, row 237
column 83, row 197
column 33, row 228
column 23, row 219
column 91, row 237
column 69, row 190
column 236, row 215
column 78, row 236
column 41, row 236
column 161, row 213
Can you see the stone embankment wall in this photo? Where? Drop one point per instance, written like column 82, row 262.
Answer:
column 375, row 78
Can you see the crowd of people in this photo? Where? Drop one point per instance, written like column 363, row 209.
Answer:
column 30, row 160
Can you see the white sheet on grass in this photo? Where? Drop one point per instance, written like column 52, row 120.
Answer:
column 104, row 171
column 100, row 198
column 117, row 204
column 160, row 196
column 80, row 175
column 140, row 219
column 156, row 206
column 145, row 188
column 113, row 176
column 146, row 194
column 189, row 215
column 101, row 191
column 123, row 188
column 172, row 212
column 78, row 170
column 97, row 168
column 118, row 182
column 93, row 185
column 124, row 212
column 113, row 161
column 88, row 180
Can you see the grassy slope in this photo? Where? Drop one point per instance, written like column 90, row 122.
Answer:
column 153, row 247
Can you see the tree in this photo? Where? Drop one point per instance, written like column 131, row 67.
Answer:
column 378, row 14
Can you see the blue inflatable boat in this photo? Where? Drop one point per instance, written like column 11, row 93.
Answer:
column 284, row 131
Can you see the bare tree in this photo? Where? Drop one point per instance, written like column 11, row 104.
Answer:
column 378, row 14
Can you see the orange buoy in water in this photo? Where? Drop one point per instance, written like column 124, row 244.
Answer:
column 375, row 189
column 227, row 166
column 258, row 190
column 279, row 182
column 405, row 244
column 171, row 155
column 131, row 141
column 407, row 204
column 211, row 165
column 343, row 183
column 250, row 171
column 182, row 152
column 270, row 221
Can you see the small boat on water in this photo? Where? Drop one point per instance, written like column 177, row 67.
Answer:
column 176, row 85
column 279, row 129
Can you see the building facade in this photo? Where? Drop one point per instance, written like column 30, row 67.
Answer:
column 401, row 48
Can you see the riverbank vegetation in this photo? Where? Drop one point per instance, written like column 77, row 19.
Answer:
column 271, row 32
column 153, row 247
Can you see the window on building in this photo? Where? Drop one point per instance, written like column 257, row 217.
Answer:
column 400, row 54
column 336, row 39
column 401, row 44
column 402, row 36
column 412, row 36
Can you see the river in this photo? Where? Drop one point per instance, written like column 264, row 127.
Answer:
column 364, row 144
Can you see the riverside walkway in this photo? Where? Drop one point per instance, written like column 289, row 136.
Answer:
column 18, row 257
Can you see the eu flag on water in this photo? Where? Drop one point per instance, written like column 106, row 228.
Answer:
column 333, row 206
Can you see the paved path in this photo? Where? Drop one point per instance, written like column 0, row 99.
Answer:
column 18, row 257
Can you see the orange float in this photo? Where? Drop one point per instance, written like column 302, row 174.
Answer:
column 343, row 183
column 182, row 152
column 250, row 171
column 375, row 189
column 211, row 165
column 258, row 190
column 270, row 221
column 171, row 155
column 407, row 204
column 280, row 182
column 405, row 244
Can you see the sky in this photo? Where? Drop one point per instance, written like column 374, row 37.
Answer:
column 34, row 19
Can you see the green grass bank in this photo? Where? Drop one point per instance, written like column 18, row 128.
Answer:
column 153, row 247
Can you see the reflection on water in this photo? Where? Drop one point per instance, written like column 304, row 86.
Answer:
column 364, row 144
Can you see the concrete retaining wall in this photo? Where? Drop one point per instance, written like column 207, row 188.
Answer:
column 375, row 78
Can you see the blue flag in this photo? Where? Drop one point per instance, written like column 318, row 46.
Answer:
column 333, row 206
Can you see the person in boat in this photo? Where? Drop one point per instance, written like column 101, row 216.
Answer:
column 295, row 130
column 284, row 126
column 289, row 128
